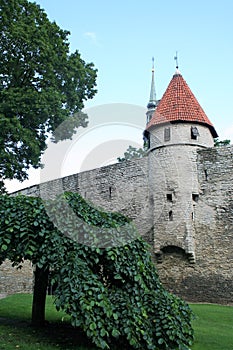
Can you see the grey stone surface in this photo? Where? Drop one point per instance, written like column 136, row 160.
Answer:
column 193, row 251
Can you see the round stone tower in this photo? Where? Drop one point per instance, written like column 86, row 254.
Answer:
column 177, row 128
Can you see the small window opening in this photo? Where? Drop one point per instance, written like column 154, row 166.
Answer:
column 194, row 133
column 110, row 192
column 170, row 215
column 206, row 175
column 167, row 134
column 146, row 139
column 147, row 143
column 193, row 216
column 195, row 197
column 169, row 197
column 149, row 115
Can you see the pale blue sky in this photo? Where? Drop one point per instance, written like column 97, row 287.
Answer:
column 120, row 37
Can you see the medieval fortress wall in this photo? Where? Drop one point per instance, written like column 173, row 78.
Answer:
column 210, row 277
column 121, row 187
column 180, row 197
column 128, row 187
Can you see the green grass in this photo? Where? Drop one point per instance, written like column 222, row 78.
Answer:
column 17, row 333
column 213, row 327
column 18, row 306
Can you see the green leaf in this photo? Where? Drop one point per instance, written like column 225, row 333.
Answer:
column 4, row 247
column 103, row 332
column 160, row 341
column 93, row 326
column 115, row 333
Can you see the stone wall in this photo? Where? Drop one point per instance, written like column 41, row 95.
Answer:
column 13, row 280
column 121, row 187
column 124, row 187
column 210, row 279
column 173, row 181
column 180, row 133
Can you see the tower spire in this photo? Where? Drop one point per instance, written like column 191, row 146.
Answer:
column 152, row 89
column 153, row 101
column 176, row 59
column 177, row 65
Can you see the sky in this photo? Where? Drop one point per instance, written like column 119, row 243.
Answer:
column 121, row 37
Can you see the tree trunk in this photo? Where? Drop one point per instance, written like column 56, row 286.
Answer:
column 39, row 296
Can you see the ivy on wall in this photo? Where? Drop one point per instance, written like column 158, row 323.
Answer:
column 112, row 292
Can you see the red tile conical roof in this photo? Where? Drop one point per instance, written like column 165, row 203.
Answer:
column 179, row 104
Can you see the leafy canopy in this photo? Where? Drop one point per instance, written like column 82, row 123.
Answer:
column 133, row 153
column 42, row 84
column 218, row 142
column 113, row 294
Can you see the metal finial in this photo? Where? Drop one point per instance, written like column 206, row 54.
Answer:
column 152, row 102
column 176, row 59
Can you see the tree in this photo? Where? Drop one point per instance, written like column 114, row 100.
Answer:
column 217, row 142
column 42, row 84
column 113, row 293
column 133, row 153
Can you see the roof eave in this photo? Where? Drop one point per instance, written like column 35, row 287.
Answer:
column 211, row 128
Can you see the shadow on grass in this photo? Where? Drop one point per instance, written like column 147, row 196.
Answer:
column 52, row 335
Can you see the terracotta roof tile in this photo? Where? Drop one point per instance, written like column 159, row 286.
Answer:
column 179, row 104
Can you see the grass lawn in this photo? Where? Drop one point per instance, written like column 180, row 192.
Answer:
column 213, row 327
column 17, row 333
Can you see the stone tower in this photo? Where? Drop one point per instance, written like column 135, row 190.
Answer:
column 177, row 128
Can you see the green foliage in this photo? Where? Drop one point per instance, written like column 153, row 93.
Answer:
column 133, row 153
column 112, row 293
column 88, row 225
column 213, row 327
column 217, row 142
column 42, row 85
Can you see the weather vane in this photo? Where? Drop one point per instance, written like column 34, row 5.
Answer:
column 176, row 59
column 153, row 60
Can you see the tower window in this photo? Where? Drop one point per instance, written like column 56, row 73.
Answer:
column 195, row 197
column 169, row 197
column 167, row 134
column 170, row 215
column 194, row 133
column 110, row 192
column 148, row 141
column 146, row 138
